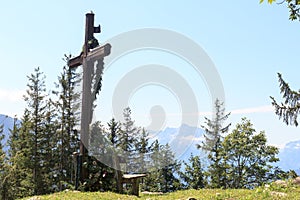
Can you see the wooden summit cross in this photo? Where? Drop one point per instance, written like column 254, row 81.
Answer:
column 91, row 56
column 91, row 59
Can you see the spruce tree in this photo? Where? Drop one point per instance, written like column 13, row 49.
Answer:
column 214, row 131
column 289, row 109
column 101, row 155
column 143, row 150
column 13, row 138
column 19, row 179
column 114, row 131
column 50, row 146
column 127, row 140
column 3, row 166
column 163, row 175
column 67, row 116
column 36, row 105
column 193, row 174
column 169, row 171
column 151, row 182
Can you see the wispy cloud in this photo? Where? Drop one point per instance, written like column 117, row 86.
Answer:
column 260, row 109
column 192, row 138
column 11, row 95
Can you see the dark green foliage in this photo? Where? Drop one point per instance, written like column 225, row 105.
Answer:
column 247, row 157
column 279, row 174
column 128, row 132
column 3, row 166
column 293, row 6
column 41, row 157
column 101, row 177
column 114, row 131
column 101, row 151
column 19, row 177
column 36, row 105
column 214, row 131
column 65, row 120
column 289, row 109
column 193, row 174
column 127, row 142
column 163, row 175
column 169, row 172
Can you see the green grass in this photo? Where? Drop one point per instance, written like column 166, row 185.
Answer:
column 272, row 192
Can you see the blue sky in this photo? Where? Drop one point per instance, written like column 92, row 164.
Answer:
column 247, row 41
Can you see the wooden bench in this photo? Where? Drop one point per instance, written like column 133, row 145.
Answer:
column 133, row 179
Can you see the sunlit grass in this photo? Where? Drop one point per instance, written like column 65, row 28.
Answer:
column 272, row 192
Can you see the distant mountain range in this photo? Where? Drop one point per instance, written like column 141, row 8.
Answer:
column 183, row 140
column 290, row 156
column 8, row 123
column 190, row 136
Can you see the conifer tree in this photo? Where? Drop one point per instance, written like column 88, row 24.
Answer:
column 214, row 131
column 114, row 135
column 164, row 173
column 67, row 116
column 193, row 174
column 151, row 181
column 2, row 165
column 169, row 171
column 13, row 139
column 101, row 152
column 19, row 178
column 289, row 109
column 128, row 133
column 114, row 131
column 36, row 105
column 127, row 140
column 50, row 146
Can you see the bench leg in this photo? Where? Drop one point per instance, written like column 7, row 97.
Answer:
column 135, row 187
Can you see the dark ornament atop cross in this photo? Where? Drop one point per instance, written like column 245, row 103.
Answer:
column 90, row 42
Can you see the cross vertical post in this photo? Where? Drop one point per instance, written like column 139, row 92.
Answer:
column 84, row 127
column 87, row 59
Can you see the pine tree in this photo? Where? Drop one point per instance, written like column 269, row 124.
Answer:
column 114, row 131
column 19, row 179
column 163, row 176
column 193, row 174
column 170, row 170
column 50, row 146
column 143, row 150
column 127, row 137
column 290, row 108
column 67, row 116
column 2, row 165
column 214, row 131
column 13, row 139
column 114, row 134
column 101, row 156
column 36, row 105
column 127, row 140
column 151, row 182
